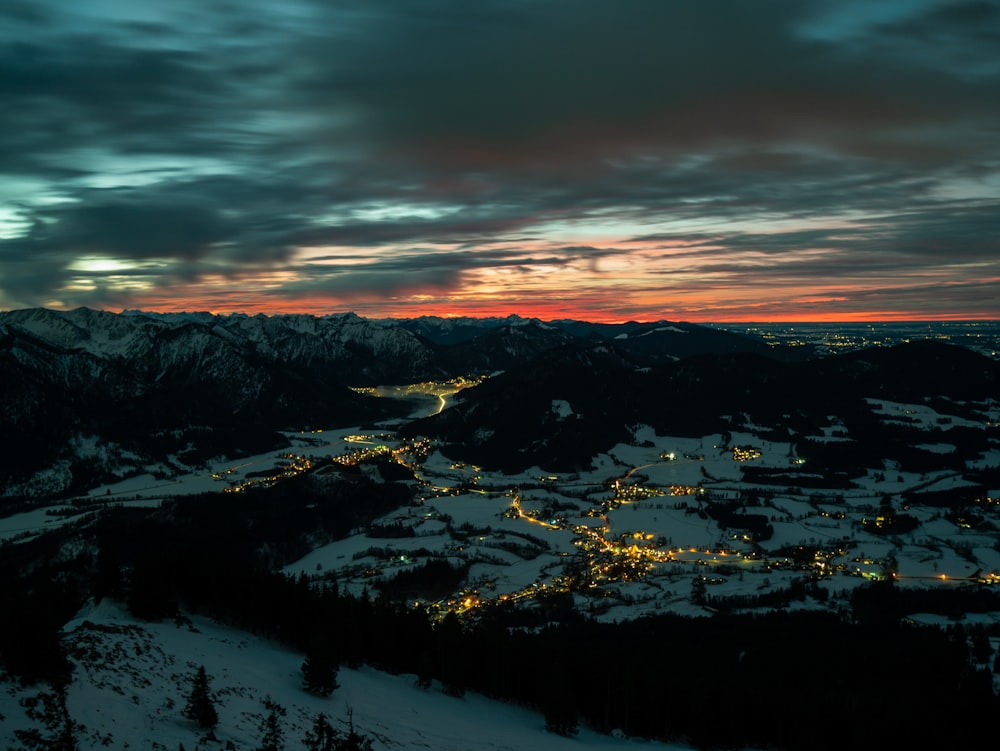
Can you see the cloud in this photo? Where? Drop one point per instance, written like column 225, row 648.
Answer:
column 445, row 147
column 498, row 82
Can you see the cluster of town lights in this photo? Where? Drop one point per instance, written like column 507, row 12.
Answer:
column 600, row 558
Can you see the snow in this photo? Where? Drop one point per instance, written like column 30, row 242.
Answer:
column 657, row 330
column 947, row 481
column 988, row 459
column 561, row 409
column 918, row 415
column 969, row 619
column 223, row 471
column 937, row 448
column 131, row 680
column 29, row 524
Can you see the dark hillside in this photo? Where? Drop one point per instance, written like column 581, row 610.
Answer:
column 511, row 422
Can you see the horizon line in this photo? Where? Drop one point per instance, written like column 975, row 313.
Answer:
column 459, row 316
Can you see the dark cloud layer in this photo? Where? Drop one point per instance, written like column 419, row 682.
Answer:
column 630, row 159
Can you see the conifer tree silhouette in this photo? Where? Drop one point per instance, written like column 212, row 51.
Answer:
column 200, row 706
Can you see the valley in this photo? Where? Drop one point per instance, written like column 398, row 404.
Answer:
column 670, row 502
column 659, row 524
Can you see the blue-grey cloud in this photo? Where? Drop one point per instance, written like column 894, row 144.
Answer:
column 212, row 139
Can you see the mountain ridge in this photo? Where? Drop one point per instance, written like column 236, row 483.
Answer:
column 172, row 390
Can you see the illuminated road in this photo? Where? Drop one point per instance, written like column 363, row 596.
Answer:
column 423, row 391
column 441, row 406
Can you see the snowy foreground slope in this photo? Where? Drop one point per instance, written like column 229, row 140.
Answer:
column 131, row 681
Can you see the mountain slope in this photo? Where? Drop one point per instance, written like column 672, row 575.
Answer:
column 559, row 411
column 131, row 680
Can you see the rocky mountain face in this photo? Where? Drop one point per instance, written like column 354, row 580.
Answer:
column 140, row 388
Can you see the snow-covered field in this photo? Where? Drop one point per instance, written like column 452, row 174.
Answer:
column 516, row 532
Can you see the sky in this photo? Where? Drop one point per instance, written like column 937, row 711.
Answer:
column 701, row 160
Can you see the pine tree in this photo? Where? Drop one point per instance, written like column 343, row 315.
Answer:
column 200, row 706
column 353, row 741
column 982, row 650
column 425, row 669
column 322, row 736
column 449, row 636
column 319, row 669
column 558, row 702
column 272, row 736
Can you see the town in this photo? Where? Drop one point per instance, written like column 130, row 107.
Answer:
column 664, row 524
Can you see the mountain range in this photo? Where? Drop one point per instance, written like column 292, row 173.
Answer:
column 92, row 395
column 91, row 392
